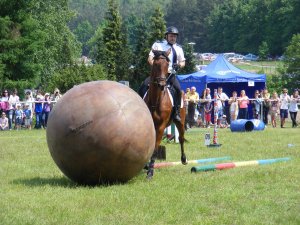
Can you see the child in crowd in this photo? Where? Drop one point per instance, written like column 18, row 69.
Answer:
column 223, row 122
column 3, row 122
column 207, row 110
column 19, row 117
column 275, row 105
column 28, row 116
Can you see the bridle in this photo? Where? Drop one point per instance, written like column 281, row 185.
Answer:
column 160, row 81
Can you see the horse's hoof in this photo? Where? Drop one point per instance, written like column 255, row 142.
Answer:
column 150, row 174
column 184, row 160
column 149, row 177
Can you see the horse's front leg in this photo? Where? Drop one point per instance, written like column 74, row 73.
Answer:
column 180, row 127
column 159, row 134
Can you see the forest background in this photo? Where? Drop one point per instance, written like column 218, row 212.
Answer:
column 41, row 42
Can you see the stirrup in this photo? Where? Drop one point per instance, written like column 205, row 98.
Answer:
column 177, row 117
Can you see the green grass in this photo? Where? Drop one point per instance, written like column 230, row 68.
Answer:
column 34, row 191
column 267, row 67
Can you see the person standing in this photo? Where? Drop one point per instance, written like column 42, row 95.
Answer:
column 177, row 61
column 201, row 105
column 18, row 117
column 221, row 98
column 55, row 97
column 266, row 105
column 186, row 95
column 193, row 99
column 46, row 109
column 38, row 109
column 234, row 107
column 284, row 106
column 29, row 100
column 243, row 102
column 256, row 105
column 275, row 105
column 293, row 109
column 28, row 116
column 13, row 100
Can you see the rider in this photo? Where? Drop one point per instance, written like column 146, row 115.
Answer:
column 177, row 61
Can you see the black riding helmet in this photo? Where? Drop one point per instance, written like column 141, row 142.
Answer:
column 172, row 30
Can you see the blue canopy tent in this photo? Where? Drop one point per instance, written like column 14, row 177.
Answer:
column 197, row 79
column 221, row 73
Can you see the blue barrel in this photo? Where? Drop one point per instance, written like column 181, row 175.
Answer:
column 258, row 124
column 241, row 125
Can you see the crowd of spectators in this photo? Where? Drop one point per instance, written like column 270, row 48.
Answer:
column 264, row 106
column 34, row 109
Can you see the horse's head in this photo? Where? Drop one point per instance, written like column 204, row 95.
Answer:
column 160, row 67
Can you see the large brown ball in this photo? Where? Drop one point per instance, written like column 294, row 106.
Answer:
column 100, row 132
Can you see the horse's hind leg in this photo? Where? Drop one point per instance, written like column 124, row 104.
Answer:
column 150, row 171
column 180, row 127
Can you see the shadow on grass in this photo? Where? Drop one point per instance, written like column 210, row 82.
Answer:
column 59, row 182
column 54, row 181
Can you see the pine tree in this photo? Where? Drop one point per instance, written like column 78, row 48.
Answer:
column 291, row 75
column 111, row 40
column 157, row 26
column 123, row 57
column 190, row 61
column 141, row 68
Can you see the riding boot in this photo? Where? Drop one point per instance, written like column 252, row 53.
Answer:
column 177, row 106
column 177, row 113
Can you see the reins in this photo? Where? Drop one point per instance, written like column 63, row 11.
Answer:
column 161, row 80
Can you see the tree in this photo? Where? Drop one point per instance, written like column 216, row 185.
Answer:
column 111, row 41
column 83, row 32
column 123, row 57
column 157, row 26
column 190, row 62
column 291, row 75
column 20, row 40
column 76, row 74
column 60, row 45
column 141, row 68
column 263, row 51
column 35, row 40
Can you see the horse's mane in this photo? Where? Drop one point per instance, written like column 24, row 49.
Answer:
column 158, row 54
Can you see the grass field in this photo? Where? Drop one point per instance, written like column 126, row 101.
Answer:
column 267, row 67
column 34, row 191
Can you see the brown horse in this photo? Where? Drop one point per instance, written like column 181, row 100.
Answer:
column 160, row 105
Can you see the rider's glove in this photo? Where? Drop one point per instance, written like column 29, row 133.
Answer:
column 176, row 67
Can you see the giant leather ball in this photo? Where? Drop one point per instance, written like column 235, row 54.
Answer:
column 100, row 132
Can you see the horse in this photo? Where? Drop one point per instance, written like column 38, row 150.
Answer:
column 160, row 105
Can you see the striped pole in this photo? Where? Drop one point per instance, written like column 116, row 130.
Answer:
column 237, row 164
column 198, row 161
column 215, row 138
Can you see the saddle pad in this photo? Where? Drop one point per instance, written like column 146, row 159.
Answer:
column 171, row 98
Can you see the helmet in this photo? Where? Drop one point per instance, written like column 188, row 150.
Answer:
column 171, row 30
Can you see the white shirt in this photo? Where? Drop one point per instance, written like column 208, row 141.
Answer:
column 284, row 99
column 13, row 100
column 223, row 97
column 164, row 46
column 294, row 104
